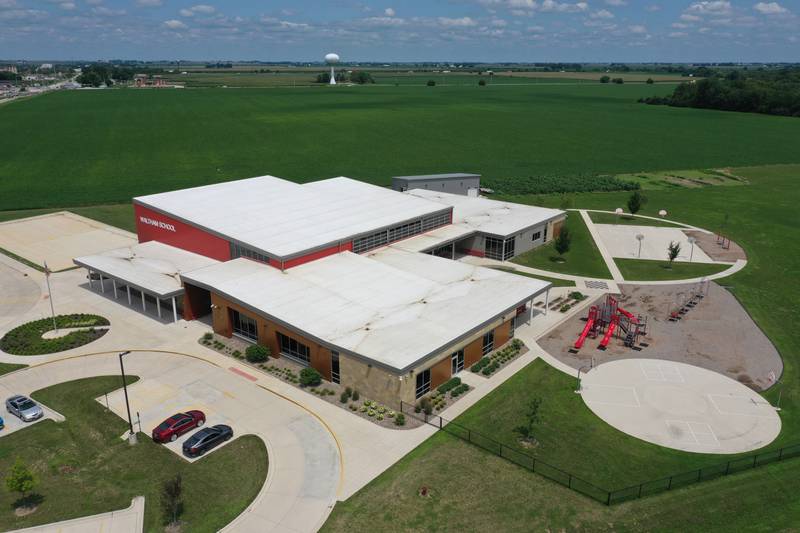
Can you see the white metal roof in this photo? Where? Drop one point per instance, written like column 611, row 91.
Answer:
column 434, row 238
column 284, row 219
column 392, row 307
column 151, row 266
column 489, row 216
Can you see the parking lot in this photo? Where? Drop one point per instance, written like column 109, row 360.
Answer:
column 12, row 423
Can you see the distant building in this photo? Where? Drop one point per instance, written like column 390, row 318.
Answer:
column 8, row 68
column 457, row 183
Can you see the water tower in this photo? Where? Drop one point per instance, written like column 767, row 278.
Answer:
column 332, row 59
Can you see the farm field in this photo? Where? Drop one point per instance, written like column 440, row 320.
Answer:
column 762, row 220
column 84, row 468
column 108, row 146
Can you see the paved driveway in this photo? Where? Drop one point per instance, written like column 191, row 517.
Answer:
column 304, row 459
column 18, row 292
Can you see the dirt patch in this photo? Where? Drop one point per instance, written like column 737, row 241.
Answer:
column 713, row 249
column 716, row 334
column 25, row 510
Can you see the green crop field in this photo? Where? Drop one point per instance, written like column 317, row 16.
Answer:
column 78, row 148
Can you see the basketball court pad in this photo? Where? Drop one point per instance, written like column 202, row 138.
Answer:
column 680, row 406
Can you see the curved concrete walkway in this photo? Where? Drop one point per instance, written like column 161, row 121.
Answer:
column 304, row 469
column 129, row 520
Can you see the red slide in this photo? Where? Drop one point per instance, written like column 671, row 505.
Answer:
column 611, row 328
column 628, row 314
column 586, row 329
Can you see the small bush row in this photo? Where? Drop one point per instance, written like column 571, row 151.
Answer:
column 449, row 385
column 490, row 364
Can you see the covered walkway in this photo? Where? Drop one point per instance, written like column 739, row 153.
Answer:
column 148, row 272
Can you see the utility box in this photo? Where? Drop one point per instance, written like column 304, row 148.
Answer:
column 456, row 183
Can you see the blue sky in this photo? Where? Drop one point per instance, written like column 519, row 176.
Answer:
column 407, row 30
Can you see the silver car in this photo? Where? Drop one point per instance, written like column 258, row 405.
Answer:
column 23, row 407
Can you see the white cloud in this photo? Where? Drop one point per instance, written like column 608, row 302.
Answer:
column 462, row 22
column 713, row 7
column 499, row 23
column 203, row 8
column 107, row 12
column 637, row 28
column 7, row 4
column 602, row 14
column 174, row 24
column 149, row 3
column 686, row 17
column 616, row 2
column 652, row 8
column 770, row 8
column 389, row 12
column 677, row 34
column 679, row 25
column 67, row 6
column 562, row 7
column 94, row 2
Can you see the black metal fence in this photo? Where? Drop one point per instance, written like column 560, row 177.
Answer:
column 573, row 482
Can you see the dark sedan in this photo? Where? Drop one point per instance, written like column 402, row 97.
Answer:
column 206, row 439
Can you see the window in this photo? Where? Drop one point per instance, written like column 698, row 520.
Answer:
column 536, row 235
column 434, row 221
column 335, row 367
column 508, row 250
column 384, row 237
column 237, row 250
column 445, row 251
column 405, row 230
column 293, row 349
column 423, row 382
column 511, row 327
column 244, row 326
column 457, row 362
column 493, row 248
column 488, row 342
column 363, row 244
column 545, row 232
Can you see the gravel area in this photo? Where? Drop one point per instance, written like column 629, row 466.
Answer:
column 708, row 243
column 716, row 334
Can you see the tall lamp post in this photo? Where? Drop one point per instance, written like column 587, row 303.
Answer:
column 691, row 240
column 618, row 211
column 131, row 435
column 640, row 238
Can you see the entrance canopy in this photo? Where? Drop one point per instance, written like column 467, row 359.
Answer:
column 150, row 267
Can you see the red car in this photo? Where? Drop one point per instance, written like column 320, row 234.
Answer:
column 178, row 424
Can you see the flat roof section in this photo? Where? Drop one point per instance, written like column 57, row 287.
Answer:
column 430, row 177
column 284, row 219
column 151, row 266
column 392, row 307
column 489, row 216
column 434, row 238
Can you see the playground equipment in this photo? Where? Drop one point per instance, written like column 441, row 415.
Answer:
column 688, row 300
column 610, row 319
column 723, row 241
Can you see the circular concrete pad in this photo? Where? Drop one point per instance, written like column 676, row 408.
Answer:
column 680, row 406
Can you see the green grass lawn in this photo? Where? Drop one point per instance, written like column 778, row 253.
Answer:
column 582, row 259
column 557, row 282
column 644, row 270
column 5, row 368
column 118, row 215
column 102, row 147
column 628, row 220
column 473, row 490
column 84, row 468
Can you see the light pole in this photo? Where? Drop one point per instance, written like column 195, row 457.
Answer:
column 662, row 213
column 691, row 240
column 640, row 238
column 618, row 211
column 131, row 435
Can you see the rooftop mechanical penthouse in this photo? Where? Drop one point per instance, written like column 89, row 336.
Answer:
column 358, row 281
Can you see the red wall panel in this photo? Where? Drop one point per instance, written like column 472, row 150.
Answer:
column 153, row 226
column 319, row 254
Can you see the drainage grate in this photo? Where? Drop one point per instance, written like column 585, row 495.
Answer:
column 594, row 284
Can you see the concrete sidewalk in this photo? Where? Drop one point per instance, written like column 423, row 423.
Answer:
column 130, row 520
column 598, row 241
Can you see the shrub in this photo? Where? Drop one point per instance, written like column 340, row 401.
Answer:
column 348, row 391
column 417, row 408
column 565, row 308
column 257, row 353
column 355, row 395
column 353, row 407
column 477, row 367
column 450, row 384
column 400, row 419
column 482, row 83
column 605, row 79
column 363, row 409
column 371, row 413
column 310, row 377
column 379, row 417
column 390, row 414
column 431, row 83
column 208, row 336
column 343, row 397
column 577, row 295
column 618, row 81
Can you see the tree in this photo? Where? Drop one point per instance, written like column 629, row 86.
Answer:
column 605, row 79
column 482, row 83
column 673, row 250
column 650, row 81
column 256, row 353
column 635, row 202
column 431, row 83
column 360, row 77
column 20, row 479
column 566, row 202
column 563, row 242
column 171, row 499
column 618, row 81
column 531, row 419
column 310, row 377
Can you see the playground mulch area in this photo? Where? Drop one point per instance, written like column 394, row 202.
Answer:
column 713, row 248
column 716, row 334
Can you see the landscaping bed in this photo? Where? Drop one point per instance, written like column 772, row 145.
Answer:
column 27, row 339
column 493, row 362
column 564, row 303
